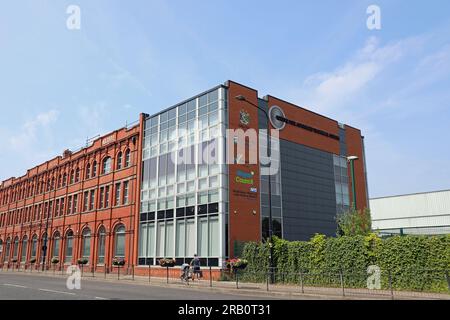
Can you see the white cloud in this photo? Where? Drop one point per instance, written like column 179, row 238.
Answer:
column 30, row 130
column 331, row 90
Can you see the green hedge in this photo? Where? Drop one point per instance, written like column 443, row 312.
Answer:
column 413, row 262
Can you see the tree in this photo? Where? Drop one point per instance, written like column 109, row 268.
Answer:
column 354, row 222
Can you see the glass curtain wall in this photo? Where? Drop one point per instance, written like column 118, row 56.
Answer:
column 184, row 181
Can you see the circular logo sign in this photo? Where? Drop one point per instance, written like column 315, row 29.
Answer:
column 274, row 112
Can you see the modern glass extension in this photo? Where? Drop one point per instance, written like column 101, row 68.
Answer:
column 184, row 182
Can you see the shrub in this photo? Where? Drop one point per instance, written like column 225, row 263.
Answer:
column 414, row 262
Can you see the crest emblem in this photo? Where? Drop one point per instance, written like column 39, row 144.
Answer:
column 244, row 117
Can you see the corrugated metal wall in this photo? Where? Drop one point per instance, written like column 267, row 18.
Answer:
column 411, row 211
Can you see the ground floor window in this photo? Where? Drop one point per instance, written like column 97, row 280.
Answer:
column 69, row 247
column 101, row 245
column 24, row 248
column 34, row 244
column 56, row 241
column 119, row 250
column 16, row 248
column 180, row 238
column 86, row 245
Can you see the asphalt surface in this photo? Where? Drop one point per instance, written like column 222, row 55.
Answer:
column 35, row 287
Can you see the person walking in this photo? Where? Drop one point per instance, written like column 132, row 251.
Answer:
column 195, row 263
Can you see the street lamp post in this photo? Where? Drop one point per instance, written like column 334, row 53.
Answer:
column 243, row 98
column 44, row 246
column 352, row 159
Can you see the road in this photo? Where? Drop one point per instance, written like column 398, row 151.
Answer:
column 37, row 287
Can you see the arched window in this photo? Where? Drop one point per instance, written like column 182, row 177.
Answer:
column 72, row 176
column 59, row 181
column 94, row 169
column 86, row 245
column 77, row 175
column 88, row 171
column 119, row 241
column 119, row 161
column 127, row 158
column 106, row 165
column 101, row 245
column 56, row 242
column 69, row 246
column 34, row 245
column 16, row 248
column 24, row 248
column 64, row 182
column 8, row 249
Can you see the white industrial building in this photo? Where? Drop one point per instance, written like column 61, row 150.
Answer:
column 420, row 213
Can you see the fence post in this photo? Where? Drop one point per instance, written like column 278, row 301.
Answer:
column 104, row 270
column 341, row 275
column 301, row 281
column 237, row 278
column 149, row 272
column 267, row 281
column 210, row 276
column 167, row 274
column 390, row 284
column 448, row 279
column 118, row 272
column 132, row 272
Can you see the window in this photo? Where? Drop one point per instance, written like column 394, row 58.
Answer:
column 125, row 192
column 88, row 171
column 69, row 205
column 8, row 248
column 75, row 204
column 94, row 169
column 16, row 248
column 34, row 244
column 102, row 196
column 77, row 175
column 64, row 182
column 127, row 158
column 92, row 200
column 61, row 207
column 106, row 165
column 24, row 248
column 56, row 241
column 86, row 201
column 117, row 195
column 119, row 241
column 86, row 245
column 107, row 197
column 119, row 161
column 69, row 246
column 101, row 245
column 72, row 176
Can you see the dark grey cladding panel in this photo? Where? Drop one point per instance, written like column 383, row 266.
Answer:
column 309, row 196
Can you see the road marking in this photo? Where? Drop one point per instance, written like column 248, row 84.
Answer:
column 55, row 291
column 100, row 298
column 14, row 285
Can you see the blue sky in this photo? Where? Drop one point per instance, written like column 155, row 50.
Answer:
column 60, row 86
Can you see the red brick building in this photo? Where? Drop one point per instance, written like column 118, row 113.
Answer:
column 85, row 202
